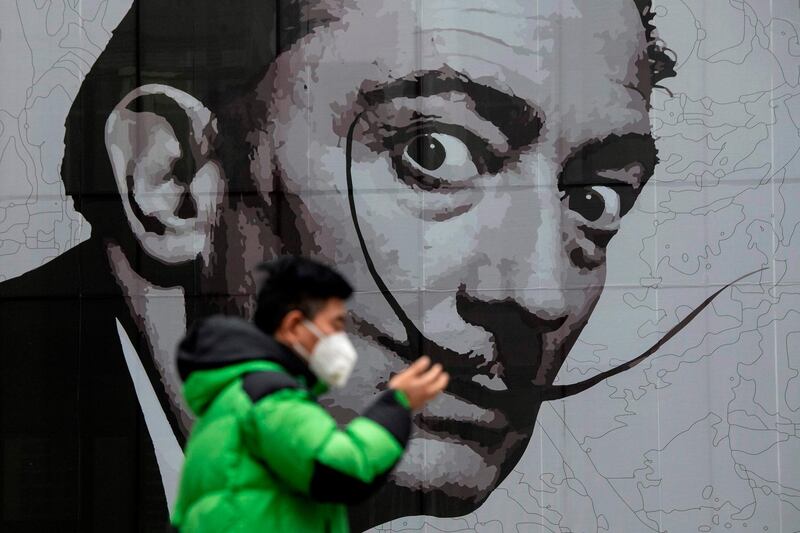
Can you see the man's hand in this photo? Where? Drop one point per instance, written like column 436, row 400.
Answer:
column 420, row 382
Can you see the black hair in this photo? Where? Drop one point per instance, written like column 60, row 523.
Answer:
column 661, row 59
column 294, row 282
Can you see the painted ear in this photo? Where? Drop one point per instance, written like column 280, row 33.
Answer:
column 160, row 144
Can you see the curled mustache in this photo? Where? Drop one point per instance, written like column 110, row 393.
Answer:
column 417, row 343
column 558, row 392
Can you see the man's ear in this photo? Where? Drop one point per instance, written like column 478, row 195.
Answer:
column 160, row 144
column 287, row 331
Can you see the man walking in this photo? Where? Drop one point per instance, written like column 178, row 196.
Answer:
column 263, row 454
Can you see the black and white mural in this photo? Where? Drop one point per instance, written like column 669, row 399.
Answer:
column 585, row 210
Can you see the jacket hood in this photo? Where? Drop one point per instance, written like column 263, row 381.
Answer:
column 219, row 349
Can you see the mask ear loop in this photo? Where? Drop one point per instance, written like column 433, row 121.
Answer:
column 415, row 337
column 314, row 329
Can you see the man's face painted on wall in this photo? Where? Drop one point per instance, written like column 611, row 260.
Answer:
column 492, row 150
column 487, row 177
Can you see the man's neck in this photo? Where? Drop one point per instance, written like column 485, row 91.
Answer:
column 159, row 313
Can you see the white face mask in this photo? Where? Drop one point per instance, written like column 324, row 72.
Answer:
column 333, row 357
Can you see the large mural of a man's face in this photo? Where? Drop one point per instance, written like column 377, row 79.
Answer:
column 464, row 164
column 486, row 182
column 471, row 167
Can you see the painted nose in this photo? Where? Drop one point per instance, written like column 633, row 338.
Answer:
column 519, row 285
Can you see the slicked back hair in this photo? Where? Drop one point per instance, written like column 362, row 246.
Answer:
column 215, row 50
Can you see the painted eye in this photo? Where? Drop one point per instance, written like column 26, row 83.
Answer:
column 426, row 152
column 439, row 159
column 599, row 205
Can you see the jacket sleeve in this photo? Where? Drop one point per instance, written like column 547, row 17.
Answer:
column 301, row 444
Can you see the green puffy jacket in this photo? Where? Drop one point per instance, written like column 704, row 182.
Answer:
column 263, row 454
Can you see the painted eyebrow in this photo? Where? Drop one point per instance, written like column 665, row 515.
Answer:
column 613, row 152
column 517, row 119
